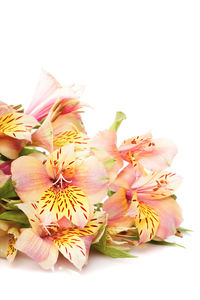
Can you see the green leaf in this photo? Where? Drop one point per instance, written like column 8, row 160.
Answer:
column 112, row 252
column 7, row 190
column 29, row 150
column 165, row 243
column 174, row 196
column 15, row 216
column 181, row 229
column 120, row 116
column 110, row 193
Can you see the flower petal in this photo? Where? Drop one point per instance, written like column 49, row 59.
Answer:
column 17, row 125
column 157, row 185
column 10, row 147
column 146, row 219
column 159, row 156
column 126, row 177
column 70, row 202
column 46, row 86
column 170, row 216
column 117, row 206
column 73, row 248
column 61, row 161
column 79, row 139
column 36, row 247
column 91, row 177
column 30, row 178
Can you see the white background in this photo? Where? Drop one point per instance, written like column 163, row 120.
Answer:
column 141, row 57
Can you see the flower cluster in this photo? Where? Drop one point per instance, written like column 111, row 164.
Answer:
column 62, row 191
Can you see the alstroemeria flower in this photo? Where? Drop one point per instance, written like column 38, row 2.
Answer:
column 59, row 130
column 48, row 92
column 144, row 152
column 148, row 200
column 43, row 242
column 64, row 186
column 15, row 128
column 8, row 236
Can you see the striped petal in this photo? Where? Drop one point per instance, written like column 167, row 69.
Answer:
column 73, row 248
column 17, row 125
column 146, row 219
column 74, row 244
column 61, row 161
column 70, row 202
column 157, row 185
column 79, row 139
column 152, row 154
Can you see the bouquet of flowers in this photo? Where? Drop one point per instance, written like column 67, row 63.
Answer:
column 62, row 191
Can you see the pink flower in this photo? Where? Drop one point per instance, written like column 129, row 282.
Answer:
column 66, row 185
column 147, row 200
column 44, row 241
column 143, row 152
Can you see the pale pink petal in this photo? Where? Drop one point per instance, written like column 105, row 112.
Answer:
column 126, row 177
column 170, row 216
column 117, row 206
column 30, row 178
column 46, row 86
column 10, row 147
column 5, row 109
column 91, row 177
column 159, row 156
column 51, row 259
column 39, row 249
column 135, row 144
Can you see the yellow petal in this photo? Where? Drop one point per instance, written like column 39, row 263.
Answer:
column 70, row 202
column 146, row 219
column 73, row 248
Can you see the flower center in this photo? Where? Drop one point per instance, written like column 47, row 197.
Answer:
column 61, row 182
